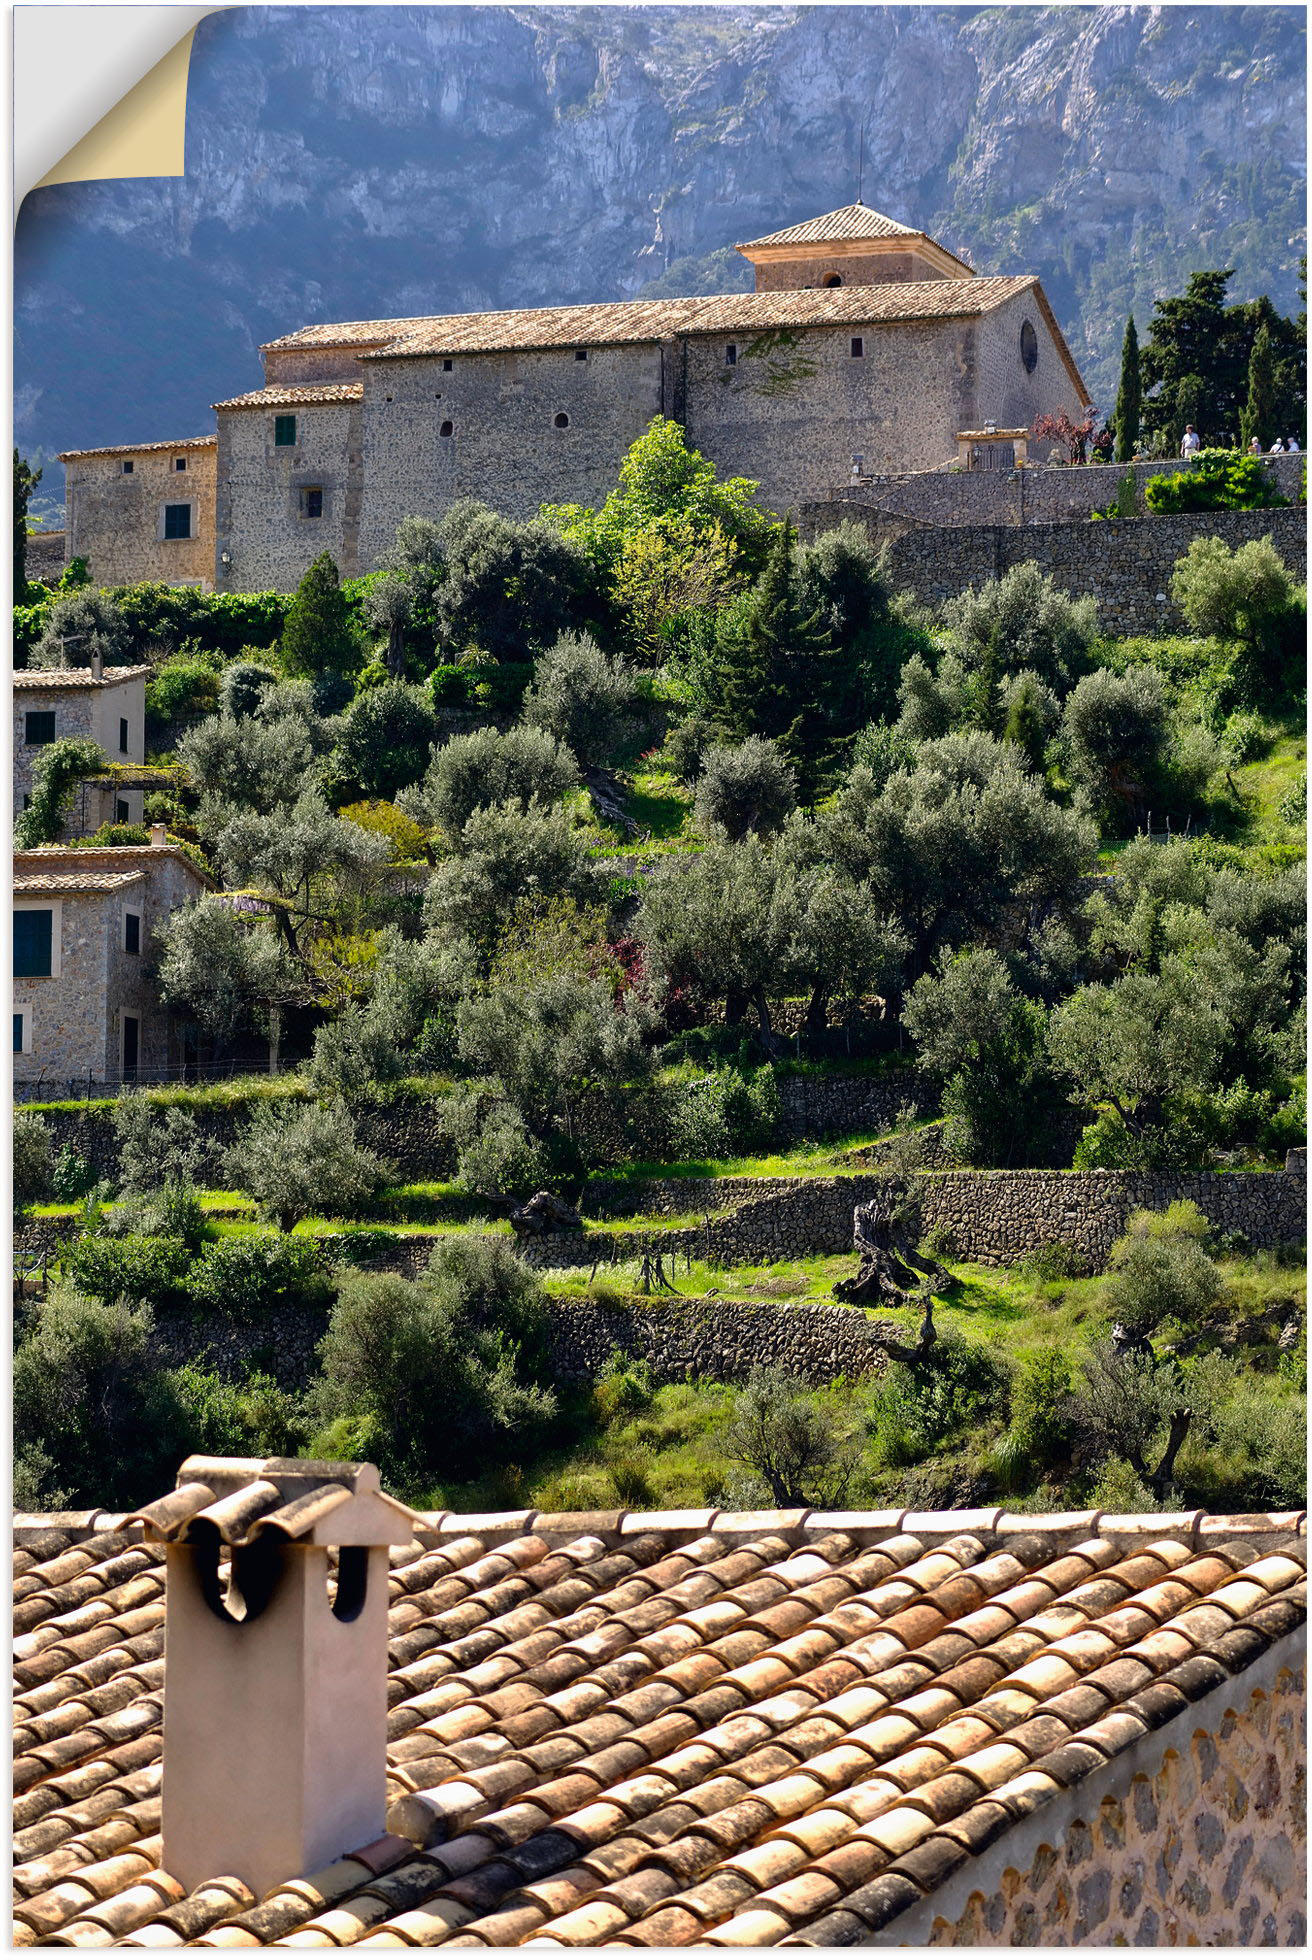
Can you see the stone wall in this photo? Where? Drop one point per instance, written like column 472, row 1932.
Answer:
column 46, row 556
column 90, row 710
column 1204, row 1846
column 719, row 1340
column 1125, row 564
column 116, row 518
column 261, row 521
column 1036, row 495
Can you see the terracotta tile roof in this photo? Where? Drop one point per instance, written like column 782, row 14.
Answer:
column 138, row 448
column 45, row 678
column 75, row 881
column 92, row 860
column 311, row 395
column 688, row 1728
column 853, row 221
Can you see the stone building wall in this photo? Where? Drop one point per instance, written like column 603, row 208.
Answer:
column 261, row 520
column 1036, row 495
column 1205, row 1845
column 116, row 520
column 45, row 556
column 91, row 711
column 1126, row 565
column 816, row 267
column 1007, row 393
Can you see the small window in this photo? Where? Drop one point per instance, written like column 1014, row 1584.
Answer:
column 284, row 432
column 177, row 520
column 121, row 810
column 127, row 467
column 447, row 429
column 831, row 279
column 580, row 353
column 131, row 1045
column 179, row 462
column 39, row 727
column 1029, row 347
column 858, row 347
column 562, row 421
column 312, row 502
column 731, row 355
column 447, row 366
column 132, row 932
column 33, row 937
column 122, row 734
column 20, row 1034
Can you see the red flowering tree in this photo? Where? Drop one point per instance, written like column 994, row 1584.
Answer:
column 1073, row 436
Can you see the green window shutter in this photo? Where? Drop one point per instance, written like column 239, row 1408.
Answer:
column 284, row 431
column 39, row 728
column 18, row 1034
column 32, row 942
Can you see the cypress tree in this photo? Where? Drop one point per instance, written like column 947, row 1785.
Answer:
column 1024, row 727
column 318, row 637
column 1259, row 416
column 1129, row 396
column 773, row 667
column 25, row 482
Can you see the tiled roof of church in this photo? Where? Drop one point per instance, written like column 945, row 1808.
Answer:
column 673, row 1729
column 138, row 448
column 309, row 395
column 853, row 221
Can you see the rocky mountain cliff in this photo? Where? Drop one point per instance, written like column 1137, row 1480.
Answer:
column 351, row 162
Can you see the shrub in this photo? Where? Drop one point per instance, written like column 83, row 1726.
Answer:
column 1247, row 596
column 687, row 745
column 298, row 1161
column 148, row 1271
column 745, row 788
column 173, row 1211
column 790, row 1441
column 1024, row 621
column 1244, row 737
column 71, row 1176
column 724, row 1114
column 916, row 1410
column 582, row 697
column 624, row 1387
column 1158, row 1271
column 404, row 835
column 1116, row 728
column 250, row 1277
column 452, row 686
column 319, row 634
column 1293, row 804
column 254, row 1417
column 387, row 736
column 491, row 767
column 1221, row 480
column 1057, row 1261
column 33, row 1160
column 186, row 686
column 159, row 1146
column 244, row 686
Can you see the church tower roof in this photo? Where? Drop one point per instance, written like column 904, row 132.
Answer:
column 853, row 221
column 884, row 247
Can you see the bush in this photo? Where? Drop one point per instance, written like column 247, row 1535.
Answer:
column 724, row 1114
column 687, row 745
column 33, row 1160
column 582, row 697
column 1158, row 1271
column 244, row 686
column 1116, row 728
column 185, row 687
column 249, row 1278
column 1244, row 737
column 1058, row 1261
column 173, row 1211
column 1024, row 621
column 490, row 767
column 1247, row 596
column 159, row 1146
column 1221, row 480
column 295, row 1162
column 80, row 625
column 745, row 788
column 624, row 1387
column 71, row 1176
column 254, row 1417
column 403, row 834
column 916, row 1410
column 791, row 1442
column 387, row 736
column 147, row 1271
column 452, row 686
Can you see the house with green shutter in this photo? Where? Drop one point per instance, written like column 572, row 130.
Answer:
column 86, row 1008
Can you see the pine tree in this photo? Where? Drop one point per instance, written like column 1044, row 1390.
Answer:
column 1259, row 416
column 774, row 667
column 1129, row 396
column 1025, row 728
column 25, row 482
column 318, row 636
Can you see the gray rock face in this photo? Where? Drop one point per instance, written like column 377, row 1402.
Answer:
column 347, row 163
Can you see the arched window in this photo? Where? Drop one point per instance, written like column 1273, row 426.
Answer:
column 831, row 279
column 447, row 429
column 562, row 421
column 1029, row 347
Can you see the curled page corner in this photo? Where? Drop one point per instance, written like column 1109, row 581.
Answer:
column 100, row 91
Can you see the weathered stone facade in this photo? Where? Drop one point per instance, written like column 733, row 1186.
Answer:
column 1126, row 565
column 1195, row 1838
column 92, row 707
column 46, row 556
column 118, row 499
column 280, row 505
column 95, row 1016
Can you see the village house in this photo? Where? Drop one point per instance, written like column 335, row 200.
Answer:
column 105, row 705
column 86, row 1008
column 143, row 511
column 375, row 1726
column 865, row 346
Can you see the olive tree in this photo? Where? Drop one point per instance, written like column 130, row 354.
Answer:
column 298, row 1160
column 489, row 766
column 747, row 787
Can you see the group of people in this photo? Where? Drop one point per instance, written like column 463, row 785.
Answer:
column 1191, row 443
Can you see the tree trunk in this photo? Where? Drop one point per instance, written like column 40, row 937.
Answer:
column 275, row 1036
column 396, row 650
column 735, row 1007
column 817, row 1010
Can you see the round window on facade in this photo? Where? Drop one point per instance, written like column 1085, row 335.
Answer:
column 562, row 421
column 831, row 279
column 1029, row 348
column 447, row 429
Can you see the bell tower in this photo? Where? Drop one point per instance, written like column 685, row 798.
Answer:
column 852, row 247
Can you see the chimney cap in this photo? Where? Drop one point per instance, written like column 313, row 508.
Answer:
column 242, row 1499
column 159, row 836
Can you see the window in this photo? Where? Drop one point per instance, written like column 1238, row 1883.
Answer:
column 20, row 1034
column 1029, row 347
column 132, row 932
column 580, row 353
column 177, row 520
column 284, row 432
column 858, row 347
column 121, row 810
column 39, row 727
column 447, row 366
column 312, row 502
column 179, row 462
column 447, row 429
column 562, row 421
column 122, row 734
column 831, row 279
column 731, row 355
column 127, row 467
column 33, row 943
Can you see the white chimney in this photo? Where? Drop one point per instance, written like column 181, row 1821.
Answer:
column 275, row 1694
column 97, row 666
column 159, row 836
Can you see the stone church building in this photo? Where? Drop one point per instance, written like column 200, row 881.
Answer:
column 864, row 339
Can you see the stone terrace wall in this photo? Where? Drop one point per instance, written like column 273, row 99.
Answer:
column 720, row 1339
column 1124, row 564
column 1028, row 496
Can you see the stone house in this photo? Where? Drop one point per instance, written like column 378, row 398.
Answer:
column 675, row 1729
column 864, row 344
column 96, row 704
column 143, row 511
column 85, row 1006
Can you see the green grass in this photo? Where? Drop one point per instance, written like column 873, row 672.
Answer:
column 1263, row 785
column 658, row 803
column 802, row 1160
